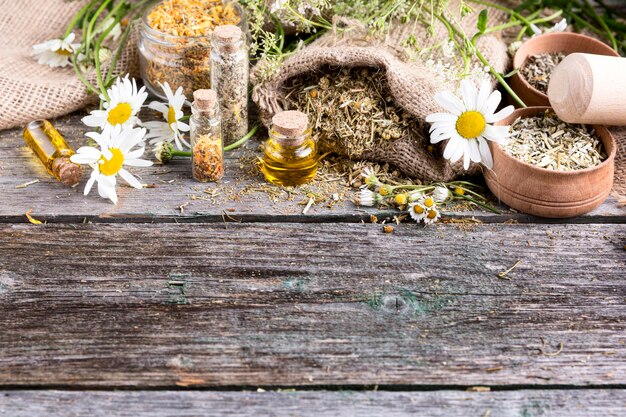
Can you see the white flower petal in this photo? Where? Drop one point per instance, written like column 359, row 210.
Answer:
column 441, row 117
column 491, row 104
column 92, row 179
column 497, row 134
column 502, row 114
column 130, row 179
column 468, row 92
column 483, row 93
column 448, row 101
column 485, row 153
column 137, row 163
column 474, row 153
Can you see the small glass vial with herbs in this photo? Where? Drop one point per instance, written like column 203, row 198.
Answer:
column 207, row 148
column 229, row 78
column 52, row 151
column 290, row 154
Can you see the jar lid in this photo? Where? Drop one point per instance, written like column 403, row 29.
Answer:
column 227, row 33
column 205, row 99
column 290, row 123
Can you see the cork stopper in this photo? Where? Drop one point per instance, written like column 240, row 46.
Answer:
column 291, row 123
column 205, row 101
column 66, row 171
column 227, row 33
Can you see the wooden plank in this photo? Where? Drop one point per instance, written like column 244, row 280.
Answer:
column 555, row 403
column 140, row 305
column 173, row 188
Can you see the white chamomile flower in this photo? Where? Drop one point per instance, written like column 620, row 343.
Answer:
column 108, row 161
column 416, row 195
column 171, row 129
column 467, row 126
column 56, row 52
column 120, row 111
column 368, row 198
column 371, row 180
column 561, row 26
column 432, row 215
column 277, row 5
column 417, row 212
column 115, row 33
column 440, row 194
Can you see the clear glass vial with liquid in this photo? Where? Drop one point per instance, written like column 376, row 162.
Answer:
column 52, row 151
column 290, row 154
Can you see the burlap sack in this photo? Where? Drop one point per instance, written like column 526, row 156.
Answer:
column 32, row 91
column 412, row 84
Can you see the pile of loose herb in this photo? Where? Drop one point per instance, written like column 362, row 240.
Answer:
column 548, row 142
column 352, row 109
column 538, row 68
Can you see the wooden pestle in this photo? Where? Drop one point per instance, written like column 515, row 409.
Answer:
column 590, row 89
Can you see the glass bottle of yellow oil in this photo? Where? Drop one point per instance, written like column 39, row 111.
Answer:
column 290, row 155
column 53, row 151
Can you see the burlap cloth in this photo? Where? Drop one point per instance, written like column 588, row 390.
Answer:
column 33, row 91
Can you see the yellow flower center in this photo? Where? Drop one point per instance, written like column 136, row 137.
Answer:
column 120, row 114
column 432, row 214
column 113, row 165
column 459, row 190
column 418, row 209
column 401, row 199
column 470, row 124
column 171, row 116
column 64, row 52
column 428, row 202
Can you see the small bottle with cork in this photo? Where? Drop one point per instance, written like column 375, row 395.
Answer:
column 207, row 148
column 52, row 151
column 290, row 154
column 229, row 78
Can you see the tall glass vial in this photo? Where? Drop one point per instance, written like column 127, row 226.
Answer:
column 290, row 154
column 207, row 147
column 229, row 78
column 52, row 151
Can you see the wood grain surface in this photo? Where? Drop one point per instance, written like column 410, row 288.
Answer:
column 522, row 403
column 302, row 305
column 171, row 187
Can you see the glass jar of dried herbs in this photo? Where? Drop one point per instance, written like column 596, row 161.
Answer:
column 207, row 147
column 175, row 42
column 229, row 78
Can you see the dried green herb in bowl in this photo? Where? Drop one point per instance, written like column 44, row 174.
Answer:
column 537, row 69
column 547, row 142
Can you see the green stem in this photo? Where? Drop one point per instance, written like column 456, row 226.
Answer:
column 91, row 88
column 242, row 140
column 304, row 19
column 603, row 24
column 478, row 203
column 92, row 23
column 118, row 52
column 500, row 79
column 78, row 16
column 516, row 23
column 183, row 154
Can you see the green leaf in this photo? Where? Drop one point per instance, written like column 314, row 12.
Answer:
column 482, row 21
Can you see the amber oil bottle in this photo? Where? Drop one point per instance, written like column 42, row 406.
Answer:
column 290, row 155
column 52, row 151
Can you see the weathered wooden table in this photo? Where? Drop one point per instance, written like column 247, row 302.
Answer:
column 180, row 301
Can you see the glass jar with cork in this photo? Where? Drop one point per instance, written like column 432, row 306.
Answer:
column 175, row 42
column 207, row 148
column 229, row 78
column 290, row 155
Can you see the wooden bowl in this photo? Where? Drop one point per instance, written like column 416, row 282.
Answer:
column 566, row 42
column 546, row 193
